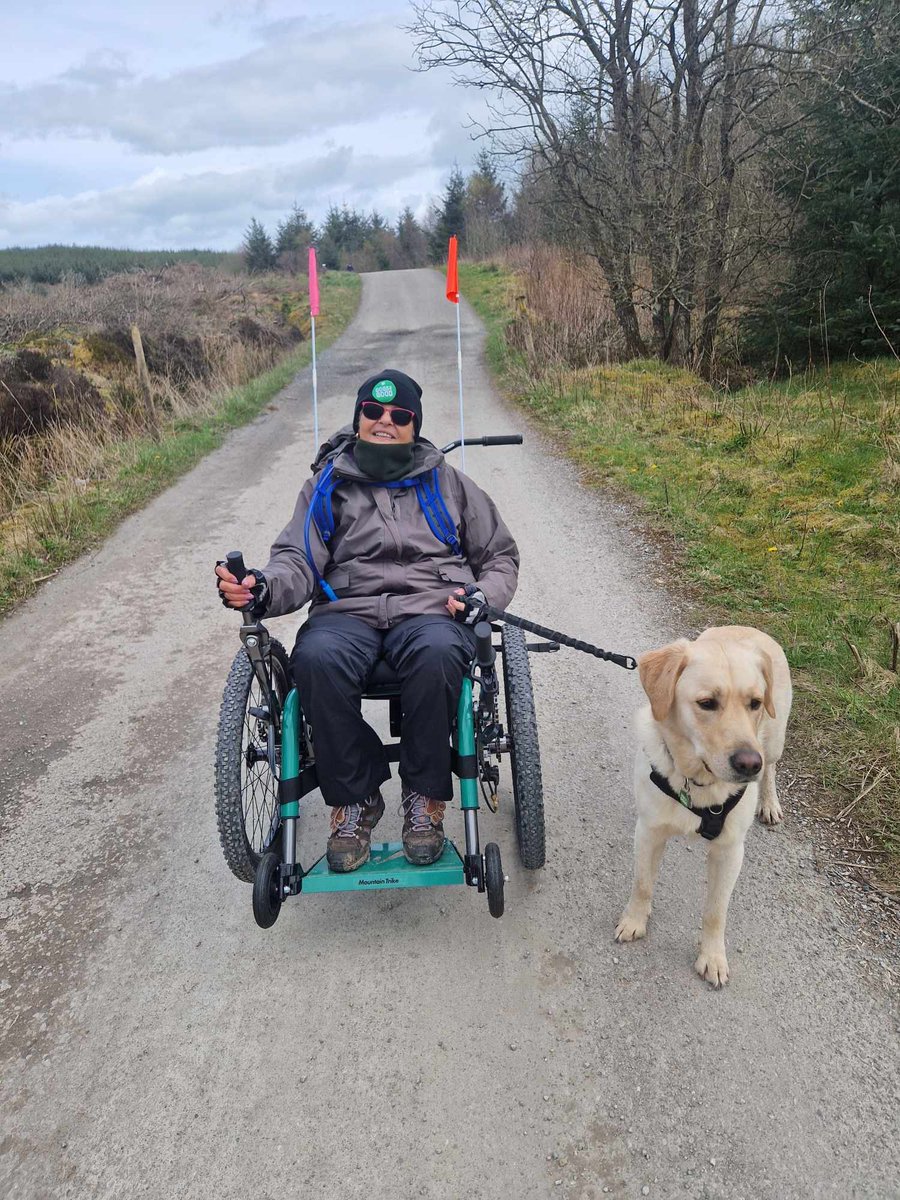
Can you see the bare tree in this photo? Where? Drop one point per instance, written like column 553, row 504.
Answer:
column 638, row 123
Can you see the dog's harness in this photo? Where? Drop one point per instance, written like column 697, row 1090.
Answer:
column 712, row 820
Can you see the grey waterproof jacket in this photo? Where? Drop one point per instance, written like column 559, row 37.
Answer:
column 383, row 560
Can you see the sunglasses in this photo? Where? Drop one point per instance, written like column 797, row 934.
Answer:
column 373, row 411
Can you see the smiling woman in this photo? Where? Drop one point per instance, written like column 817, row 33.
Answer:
column 397, row 391
column 386, row 430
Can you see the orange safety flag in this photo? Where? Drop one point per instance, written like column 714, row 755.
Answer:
column 452, row 279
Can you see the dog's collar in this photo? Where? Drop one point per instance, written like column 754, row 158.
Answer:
column 712, row 819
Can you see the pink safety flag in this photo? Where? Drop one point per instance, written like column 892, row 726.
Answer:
column 452, row 278
column 313, row 283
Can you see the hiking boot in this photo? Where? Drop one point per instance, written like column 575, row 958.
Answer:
column 423, row 827
column 351, row 833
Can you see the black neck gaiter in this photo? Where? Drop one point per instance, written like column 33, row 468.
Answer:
column 384, row 463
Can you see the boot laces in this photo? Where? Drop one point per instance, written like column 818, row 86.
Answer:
column 348, row 823
column 414, row 807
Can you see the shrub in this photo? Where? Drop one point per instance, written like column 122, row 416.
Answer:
column 36, row 393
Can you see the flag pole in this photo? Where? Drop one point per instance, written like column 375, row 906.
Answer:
column 313, row 313
column 462, row 429
column 453, row 297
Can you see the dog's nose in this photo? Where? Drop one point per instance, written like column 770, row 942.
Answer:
column 746, row 762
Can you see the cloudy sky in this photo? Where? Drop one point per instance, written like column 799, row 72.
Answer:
column 171, row 123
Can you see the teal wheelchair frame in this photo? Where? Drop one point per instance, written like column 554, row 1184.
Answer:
column 265, row 766
column 265, row 748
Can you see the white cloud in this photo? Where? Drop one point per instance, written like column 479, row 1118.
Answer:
column 100, row 68
column 303, row 79
column 208, row 208
column 135, row 136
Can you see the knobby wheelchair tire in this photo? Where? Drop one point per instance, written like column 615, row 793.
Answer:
column 247, row 805
column 525, row 754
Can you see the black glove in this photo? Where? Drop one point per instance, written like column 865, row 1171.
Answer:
column 476, row 602
column 259, row 592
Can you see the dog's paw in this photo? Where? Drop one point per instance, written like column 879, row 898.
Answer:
column 770, row 812
column 712, row 965
column 631, row 927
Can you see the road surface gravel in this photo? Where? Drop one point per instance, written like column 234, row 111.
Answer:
column 399, row 1044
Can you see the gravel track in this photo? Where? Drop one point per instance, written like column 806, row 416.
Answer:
column 156, row 1043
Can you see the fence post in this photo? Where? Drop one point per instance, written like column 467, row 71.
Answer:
column 142, row 373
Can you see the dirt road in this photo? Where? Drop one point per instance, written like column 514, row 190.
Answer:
column 156, row 1043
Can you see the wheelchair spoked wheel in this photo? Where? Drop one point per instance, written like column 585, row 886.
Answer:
column 248, row 760
column 494, row 879
column 525, row 754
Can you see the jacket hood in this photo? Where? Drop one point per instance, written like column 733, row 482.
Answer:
column 337, row 442
column 339, row 448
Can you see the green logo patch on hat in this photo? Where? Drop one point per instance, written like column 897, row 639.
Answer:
column 384, row 390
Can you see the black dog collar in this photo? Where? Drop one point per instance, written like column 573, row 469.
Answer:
column 712, row 820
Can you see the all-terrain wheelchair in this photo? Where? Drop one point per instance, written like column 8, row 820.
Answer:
column 265, row 765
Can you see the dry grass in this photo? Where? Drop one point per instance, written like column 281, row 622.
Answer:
column 786, row 510
column 561, row 310
column 203, row 333
column 72, row 453
column 185, row 298
column 65, row 470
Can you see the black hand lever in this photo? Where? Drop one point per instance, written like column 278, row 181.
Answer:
column 500, row 439
column 234, row 561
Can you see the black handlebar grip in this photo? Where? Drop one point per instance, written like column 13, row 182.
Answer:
column 503, row 439
column 234, row 561
column 485, row 644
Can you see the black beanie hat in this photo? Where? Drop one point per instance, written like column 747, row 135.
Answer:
column 391, row 387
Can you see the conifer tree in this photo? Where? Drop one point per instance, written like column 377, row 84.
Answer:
column 295, row 234
column 412, row 241
column 450, row 217
column 258, row 251
column 839, row 169
column 485, row 207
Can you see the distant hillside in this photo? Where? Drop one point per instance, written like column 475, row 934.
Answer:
column 48, row 264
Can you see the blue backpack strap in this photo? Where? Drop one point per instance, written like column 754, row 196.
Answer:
column 431, row 502
column 436, row 512
column 320, row 510
column 320, row 504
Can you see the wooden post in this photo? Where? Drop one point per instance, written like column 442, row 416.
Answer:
column 142, row 373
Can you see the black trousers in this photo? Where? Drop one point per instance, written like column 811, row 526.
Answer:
column 331, row 662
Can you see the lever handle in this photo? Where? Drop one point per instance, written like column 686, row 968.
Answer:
column 234, row 561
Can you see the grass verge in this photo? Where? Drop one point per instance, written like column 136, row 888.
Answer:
column 784, row 500
column 127, row 472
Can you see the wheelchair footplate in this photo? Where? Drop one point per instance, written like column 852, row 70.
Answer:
column 387, row 867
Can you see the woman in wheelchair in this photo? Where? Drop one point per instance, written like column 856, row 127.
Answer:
column 384, row 535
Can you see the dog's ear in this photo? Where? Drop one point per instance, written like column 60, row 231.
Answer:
column 659, row 671
column 768, row 676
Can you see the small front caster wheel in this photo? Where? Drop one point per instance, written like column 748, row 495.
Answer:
column 267, row 891
column 493, row 879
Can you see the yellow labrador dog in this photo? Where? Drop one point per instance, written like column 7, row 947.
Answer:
column 709, row 742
